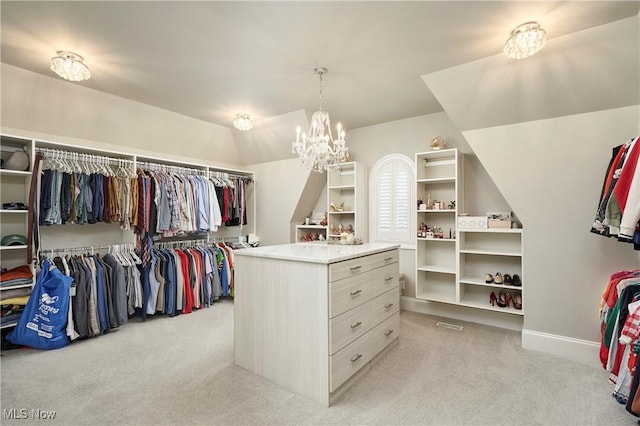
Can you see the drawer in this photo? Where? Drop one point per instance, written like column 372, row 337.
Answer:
column 349, row 326
column 349, row 360
column 348, row 293
column 385, row 305
column 384, row 333
column 384, row 279
column 349, row 268
column 381, row 259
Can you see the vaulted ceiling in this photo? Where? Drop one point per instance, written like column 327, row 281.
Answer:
column 212, row 59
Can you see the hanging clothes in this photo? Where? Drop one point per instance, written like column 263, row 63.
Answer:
column 618, row 212
column 83, row 192
column 620, row 330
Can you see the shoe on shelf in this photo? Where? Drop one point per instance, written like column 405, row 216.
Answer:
column 488, row 278
column 492, row 299
column 507, row 279
column 509, row 299
column 497, row 278
column 502, row 299
column 516, row 280
column 338, row 208
column 517, row 300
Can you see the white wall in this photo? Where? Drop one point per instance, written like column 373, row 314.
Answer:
column 60, row 111
column 279, row 186
column 553, row 177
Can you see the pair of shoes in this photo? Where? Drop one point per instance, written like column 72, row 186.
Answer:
column 517, row 301
column 497, row 278
column 492, row 299
column 338, row 208
column 516, row 281
column 505, row 299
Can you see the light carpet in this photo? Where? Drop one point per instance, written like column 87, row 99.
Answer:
column 180, row 371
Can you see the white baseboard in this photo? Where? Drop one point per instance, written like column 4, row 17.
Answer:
column 583, row 351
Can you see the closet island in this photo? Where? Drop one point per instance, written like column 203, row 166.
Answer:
column 312, row 317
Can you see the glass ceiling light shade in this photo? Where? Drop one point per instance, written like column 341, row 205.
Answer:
column 242, row 122
column 525, row 40
column 318, row 150
column 70, row 66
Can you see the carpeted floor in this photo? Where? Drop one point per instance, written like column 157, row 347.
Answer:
column 180, row 371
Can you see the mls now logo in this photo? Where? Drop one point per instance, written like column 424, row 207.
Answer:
column 23, row 414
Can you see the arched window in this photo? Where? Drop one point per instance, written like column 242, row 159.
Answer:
column 392, row 189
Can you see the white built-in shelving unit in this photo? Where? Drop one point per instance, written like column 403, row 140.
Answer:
column 346, row 184
column 452, row 269
column 14, row 188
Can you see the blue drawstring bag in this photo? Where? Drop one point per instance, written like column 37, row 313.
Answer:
column 43, row 322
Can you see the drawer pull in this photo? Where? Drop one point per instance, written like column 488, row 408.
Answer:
column 356, row 292
column 356, row 324
column 388, row 332
column 355, row 358
column 388, row 305
column 386, row 259
column 355, row 268
column 388, row 278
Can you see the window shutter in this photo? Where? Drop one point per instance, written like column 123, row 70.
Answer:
column 392, row 188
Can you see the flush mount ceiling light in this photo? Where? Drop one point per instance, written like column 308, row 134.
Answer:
column 318, row 150
column 525, row 40
column 242, row 122
column 70, row 66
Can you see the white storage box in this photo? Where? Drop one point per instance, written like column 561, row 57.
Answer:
column 472, row 222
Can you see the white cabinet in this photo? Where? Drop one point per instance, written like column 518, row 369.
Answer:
column 489, row 251
column 346, row 200
column 313, row 328
column 438, row 185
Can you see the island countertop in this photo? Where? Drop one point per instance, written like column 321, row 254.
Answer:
column 315, row 252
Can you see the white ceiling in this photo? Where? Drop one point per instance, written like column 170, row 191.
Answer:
column 210, row 60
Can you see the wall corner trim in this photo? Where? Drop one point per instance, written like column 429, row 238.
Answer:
column 583, row 351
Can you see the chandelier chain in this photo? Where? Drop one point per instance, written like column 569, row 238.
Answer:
column 321, row 72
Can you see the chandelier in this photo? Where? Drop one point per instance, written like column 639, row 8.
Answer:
column 70, row 66
column 242, row 122
column 318, row 150
column 525, row 40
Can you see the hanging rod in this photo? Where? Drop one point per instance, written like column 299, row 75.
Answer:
column 198, row 242
column 166, row 167
column 88, row 248
column 80, row 156
column 145, row 165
